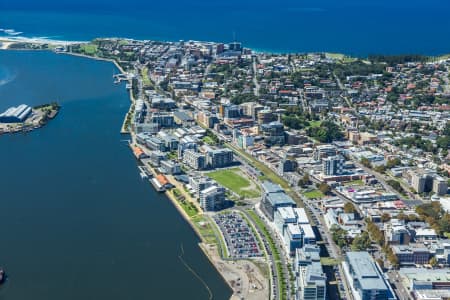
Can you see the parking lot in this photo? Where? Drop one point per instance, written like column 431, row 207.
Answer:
column 239, row 237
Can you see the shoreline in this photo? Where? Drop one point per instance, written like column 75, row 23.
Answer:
column 9, row 40
column 39, row 117
column 229, row 269
column 123, row 130
column 203, row 244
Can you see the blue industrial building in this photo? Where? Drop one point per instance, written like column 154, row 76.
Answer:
column 16, row 114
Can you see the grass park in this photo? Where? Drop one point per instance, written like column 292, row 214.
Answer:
column 89, row 49
column 314, row 194
column 233, row 180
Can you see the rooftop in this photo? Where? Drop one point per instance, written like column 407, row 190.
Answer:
column 270, row 187
column 365, row 271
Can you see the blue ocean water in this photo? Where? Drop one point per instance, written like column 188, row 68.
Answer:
column 353, row 27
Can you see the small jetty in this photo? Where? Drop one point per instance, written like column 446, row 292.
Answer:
column 118, row 78
column 159, row 181
column 143, row 172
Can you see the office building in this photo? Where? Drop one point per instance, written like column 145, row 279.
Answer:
column 293, row 237
column 365, row 277
column 212, row 198
column 194, row 159
column 310, row 279
column 273, row 133
column 309, row 237
column 396, row 232
column 219, row 158
column 162, row 119
column 232, row 111
column 198, row 183
column 323, row 151
column 287, row 165
column 426, row 284
column 170, row 167
column 440, row 186
column 282, row 217
column 274, row 197
column 333, row 165
column 413, row 254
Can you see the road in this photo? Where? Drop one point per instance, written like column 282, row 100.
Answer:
column 284, row 259
column 383, row 180
column 255, row 79
column 342, row 87
column 274, row 289
column 279, row 246
column 398, row 286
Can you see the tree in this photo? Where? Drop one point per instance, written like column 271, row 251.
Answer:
column 393, row 163
column 324, row 188
column 380, row 169
column 339, row 236
column 375, row 233
column 304, row 181
column 393, row 259
column 380, row 263
column 349, row 208
column 361, row 242
column 327, row 132
column 396, row 185
column 401, row 216
column 365, row 162
column 433, row 261
column 385, row 217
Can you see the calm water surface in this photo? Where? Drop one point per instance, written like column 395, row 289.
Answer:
column 77, row 221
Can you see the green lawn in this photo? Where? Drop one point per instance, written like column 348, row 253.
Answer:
column 329, row 261
column 145, row 79
column 313, row 194
column 335, row 55
column 232, row 180
column 268, row 173
column 205, row 228
column 89, row 49
column 315, row 124
column 209, row 140
column 355, row 182
column 187, row 206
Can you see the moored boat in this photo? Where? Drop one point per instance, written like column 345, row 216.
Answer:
column 2, row 276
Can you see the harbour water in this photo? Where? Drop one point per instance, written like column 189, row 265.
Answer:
column 77, row 221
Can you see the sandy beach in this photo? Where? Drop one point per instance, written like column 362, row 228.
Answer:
column 6, row 42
